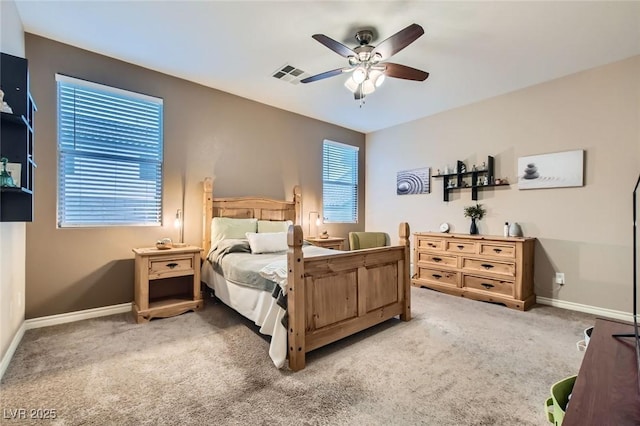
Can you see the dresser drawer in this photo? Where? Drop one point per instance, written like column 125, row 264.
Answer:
column 498, row 250
column 173, row 266
column 490, row 285
column 461, row 246
column 438, row 259
column 438, row 276
column 430, row 244
column 492, row 266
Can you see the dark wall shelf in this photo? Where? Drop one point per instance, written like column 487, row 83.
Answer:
column 456, row 181
column 17, row 139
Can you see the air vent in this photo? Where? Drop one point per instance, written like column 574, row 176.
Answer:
column 290, row 73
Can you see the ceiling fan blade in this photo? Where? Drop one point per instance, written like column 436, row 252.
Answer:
column 405, row 72
column 398, row 41
column 337, row 47
column 324, row 75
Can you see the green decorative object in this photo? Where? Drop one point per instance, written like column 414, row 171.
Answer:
column 5, row 178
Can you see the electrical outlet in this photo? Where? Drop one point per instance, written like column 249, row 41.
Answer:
column 560, row 278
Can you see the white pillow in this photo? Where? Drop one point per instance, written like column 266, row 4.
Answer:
column 274, row 225
column 267, row 242
column 228, row 227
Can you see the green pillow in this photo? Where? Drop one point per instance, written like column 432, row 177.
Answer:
column 273, row 226
column 231, row 228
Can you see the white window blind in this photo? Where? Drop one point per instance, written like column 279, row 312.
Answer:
column 109, row 156
column 339, row 182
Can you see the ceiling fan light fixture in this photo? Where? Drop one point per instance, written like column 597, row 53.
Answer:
column 368, row 87
column 368, row 64
column 377, row 77
column 359, row 75
column 351, row 85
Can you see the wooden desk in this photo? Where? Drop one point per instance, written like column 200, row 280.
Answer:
column 606, row 390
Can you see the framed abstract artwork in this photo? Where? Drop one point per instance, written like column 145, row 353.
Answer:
column 415, row 181
column 556, row 170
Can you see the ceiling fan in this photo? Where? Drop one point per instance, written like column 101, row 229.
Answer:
column 366, row 62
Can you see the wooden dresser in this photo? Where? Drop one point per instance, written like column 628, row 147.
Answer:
column 480, row 267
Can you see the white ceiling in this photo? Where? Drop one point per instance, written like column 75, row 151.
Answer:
column 472, row 50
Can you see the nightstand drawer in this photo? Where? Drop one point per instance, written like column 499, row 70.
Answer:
column 490, row 285
column 173, row 266
column 333, row 243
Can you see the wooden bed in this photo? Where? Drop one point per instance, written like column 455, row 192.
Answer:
column 329, row 297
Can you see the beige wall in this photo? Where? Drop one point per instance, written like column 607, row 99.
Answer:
column 250, row 148
column 584, row 232
column 12, row 235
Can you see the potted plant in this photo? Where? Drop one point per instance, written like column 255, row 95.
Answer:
column 475, row 213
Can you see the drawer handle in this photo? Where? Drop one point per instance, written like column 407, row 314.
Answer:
column 486, row 266
column 460, row 247
column 487, row 286
column 436, row 276
column 436, row 259
column 497, row 250
column 172, row 265
column 431, row 245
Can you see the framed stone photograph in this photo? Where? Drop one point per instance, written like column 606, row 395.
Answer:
column 556, row 170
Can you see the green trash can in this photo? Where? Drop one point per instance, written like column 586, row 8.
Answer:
column 556, row 405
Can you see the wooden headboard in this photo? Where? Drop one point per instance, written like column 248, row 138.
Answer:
column 246, row 207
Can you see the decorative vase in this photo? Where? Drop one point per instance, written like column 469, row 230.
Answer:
column 474, row 228
column 515, row 230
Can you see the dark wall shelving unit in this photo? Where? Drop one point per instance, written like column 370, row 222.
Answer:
column 16, row 138
column 456, row 181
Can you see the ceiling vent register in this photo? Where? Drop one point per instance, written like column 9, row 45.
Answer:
column 290, row 73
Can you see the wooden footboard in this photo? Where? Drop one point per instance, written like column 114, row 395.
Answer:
column 329, row 297
column 334, row 296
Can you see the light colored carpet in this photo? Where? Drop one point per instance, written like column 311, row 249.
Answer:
column 458, row 362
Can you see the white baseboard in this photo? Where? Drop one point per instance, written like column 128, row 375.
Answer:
column 77, row 316
column 6, row 359
column 601, row 312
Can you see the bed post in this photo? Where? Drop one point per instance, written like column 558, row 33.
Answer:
column 296, row 299
column 406, row 264
column 207, row 214
column 297, row 199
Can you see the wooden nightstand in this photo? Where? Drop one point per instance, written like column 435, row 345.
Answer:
column 152, row 268
column 334, row 243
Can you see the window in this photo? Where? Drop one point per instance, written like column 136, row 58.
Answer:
column 109, row 156
column 339, row 182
